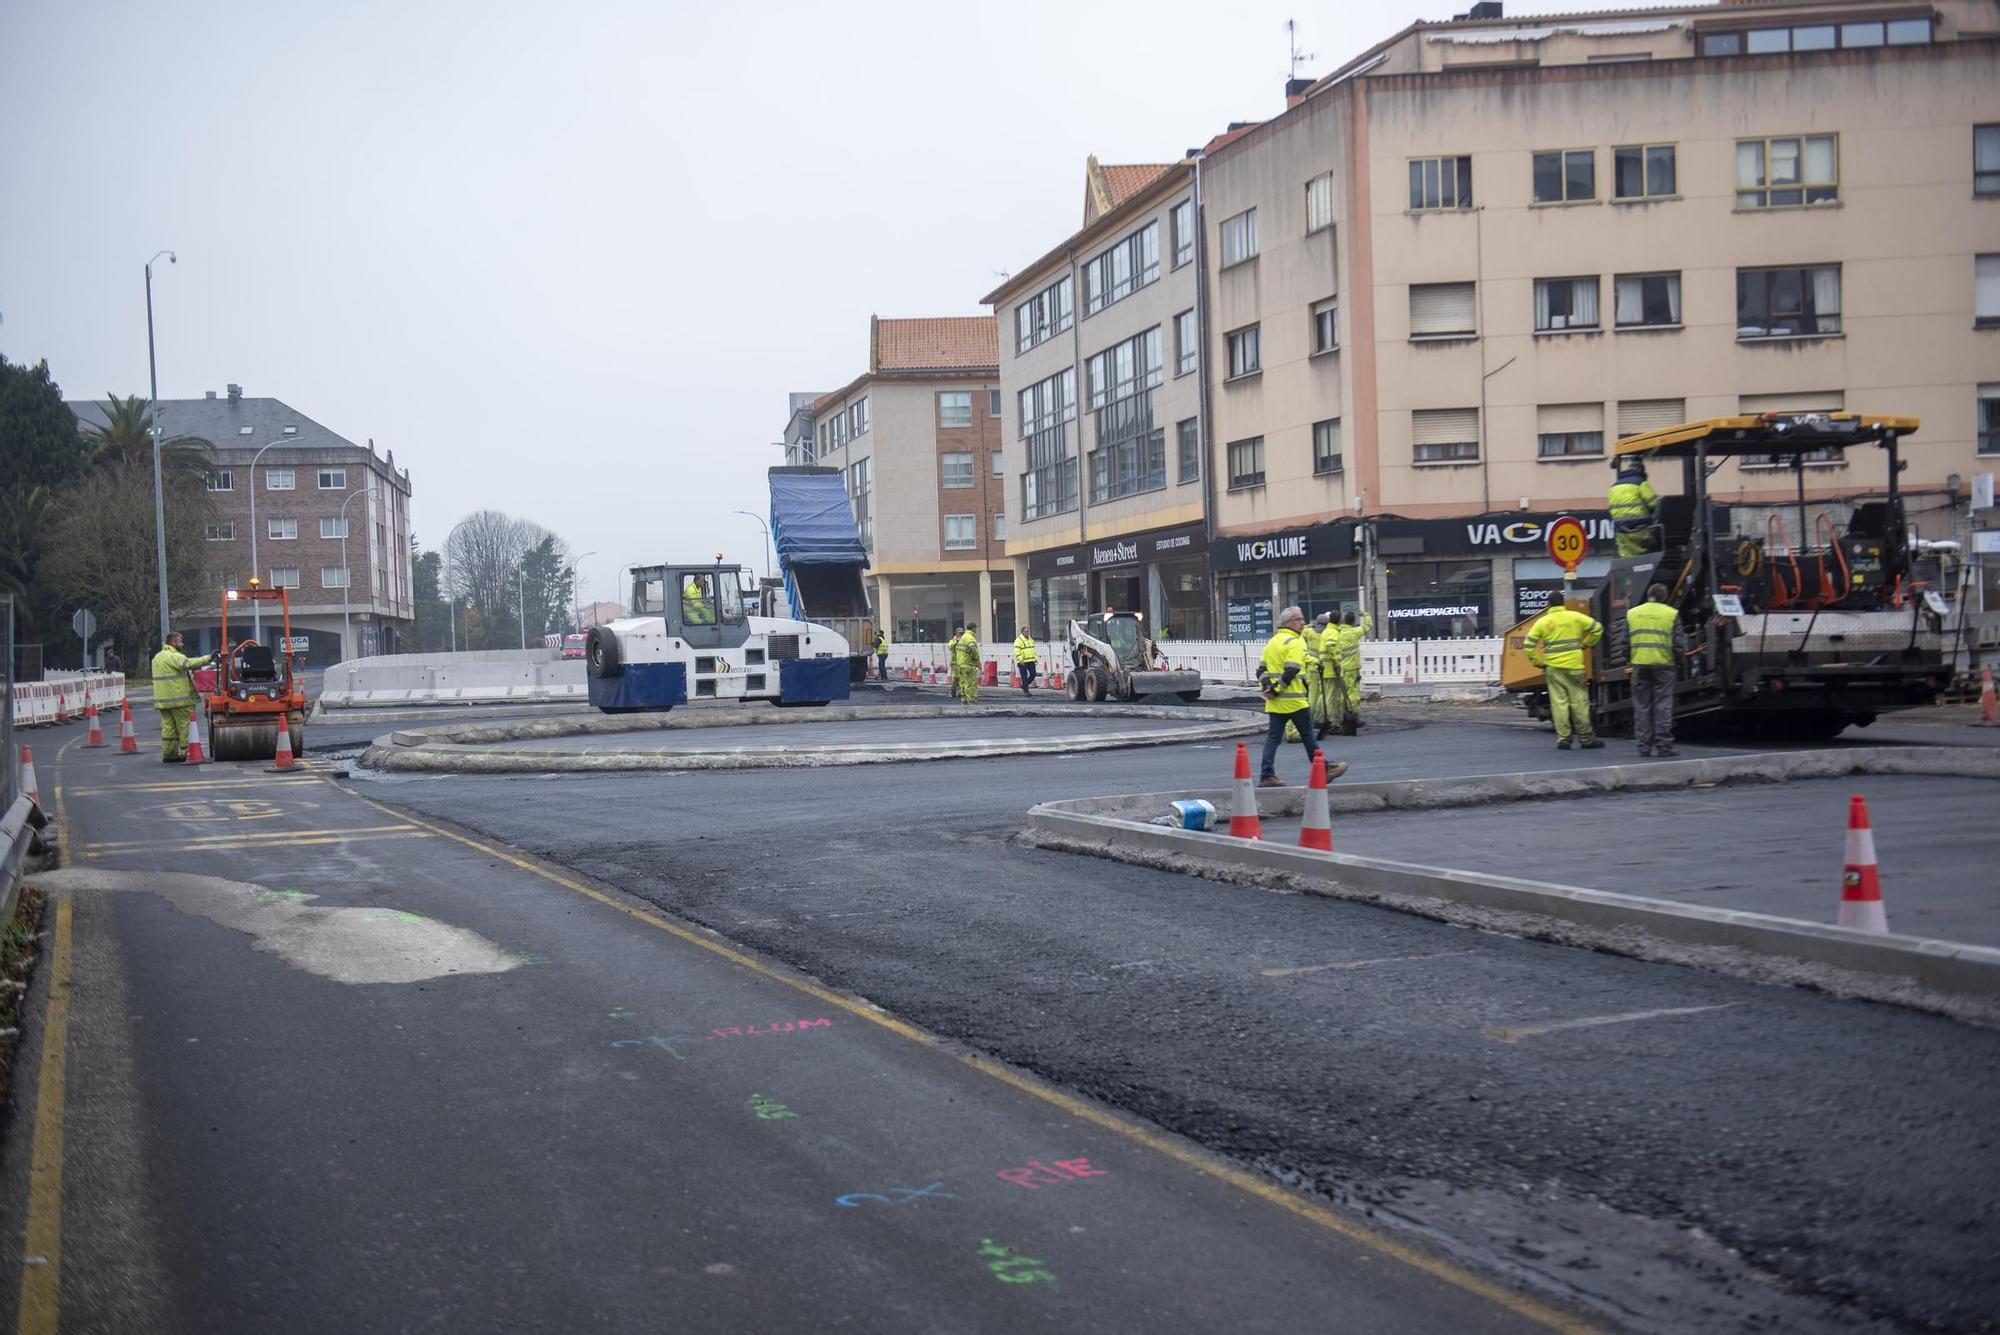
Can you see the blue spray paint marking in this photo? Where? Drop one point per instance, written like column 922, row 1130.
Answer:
column 853, row 1199
column 665, row 1044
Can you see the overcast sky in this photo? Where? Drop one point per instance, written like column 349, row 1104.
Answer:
column 567, row 261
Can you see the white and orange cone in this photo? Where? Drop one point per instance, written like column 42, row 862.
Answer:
column 1861, row 883
column 283, row 762
column 1244, row 822
column 62, row 704
column 195, row 755
column 96, row 737
column 1316, row 830
column 128, row 741
column 1989, row 704
column 28, row 775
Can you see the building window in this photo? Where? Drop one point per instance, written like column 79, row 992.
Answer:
column 1246, row 463
column 1125, row 369
column 1326, row 326
column 860, row 493
column 1049, row 486
column 1245, row 355
column 1187, row 346
column 1643, row 171
column 857, row 416
column 333, row 577
column 955, row 470
column 280, row 479
column 333, row 526
column 1818, row 37
column 222, row 479
column 1986, row 159
column 1444, row 435
column 1565, row 304
column 999, row 528
column 284, row 577
column 281, row 530
column 1043, row 315
column 1048, row 403
column 333, row 479
column 1128, row 467
column 1183, row 226
column 1440, row 183
column 1989, row 419
column 1122, row 270
column 1640, row 300
column 1442, row 310
column 955, row 408
column 1722, row 44
column 1188, row 434
column 1319, row 203
column 1566, row 175
column 999, row 464
column 1986, row 291
column 1326, row 447
column 992, row 403
column 1775, row 173
column 1569, row 430
column 1637, row 415
column 1239, row 238
column 1787, row 303
column 961, row 532
column 225, row 532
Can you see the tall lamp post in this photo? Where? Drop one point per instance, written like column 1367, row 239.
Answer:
column 347, row 578
column 451, row 602
column 257, row 608
column 767, row 538
column 576, row 589
column 159, row 492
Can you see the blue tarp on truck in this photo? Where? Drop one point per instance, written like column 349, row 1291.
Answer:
column 819, row 548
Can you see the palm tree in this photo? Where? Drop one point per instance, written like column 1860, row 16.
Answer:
column 27, row 520
column 127, row 438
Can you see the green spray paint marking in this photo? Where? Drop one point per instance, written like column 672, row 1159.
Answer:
column 770, row 1110
column 1011, row 1268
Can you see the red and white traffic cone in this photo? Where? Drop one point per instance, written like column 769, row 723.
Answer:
column 28, row 775
column 1989, row 704
column 1860, row 883
column 195, row 755
column 1316, row 830
column 62, row 704
column 1244, row 822
column 96, row 737
column 128, row 741
column 283, row 764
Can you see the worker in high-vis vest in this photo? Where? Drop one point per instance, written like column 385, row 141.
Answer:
column 1312, row 633
column 1281, row 679
column 1342, row 649
column 173, row 696
column 1633, row 507
column 881, row 654
column 1024, row 660
column 1653, row 630
column 1555, row 645
column 965, row 664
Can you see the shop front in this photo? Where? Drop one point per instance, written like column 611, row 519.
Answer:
column 1313, row 568
column 1162, row 573
column 1456, row 578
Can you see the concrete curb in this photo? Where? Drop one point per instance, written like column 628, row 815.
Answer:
column 1961, row 980
column 480, row 748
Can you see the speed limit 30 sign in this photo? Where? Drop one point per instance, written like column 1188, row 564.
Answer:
column 1567, row 542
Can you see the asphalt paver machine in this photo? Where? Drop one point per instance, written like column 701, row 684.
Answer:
column 254, row 686
column 1797, row 629
column 1112, row 658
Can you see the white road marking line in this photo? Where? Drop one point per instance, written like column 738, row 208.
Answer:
column 1531, row 1030
column 1362, row 964
column 1133, row 964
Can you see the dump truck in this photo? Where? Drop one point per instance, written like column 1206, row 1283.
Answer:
column 1794, row 634
column 1112, row 658
column 821, row 556
column 254, row 686
column 690, row 637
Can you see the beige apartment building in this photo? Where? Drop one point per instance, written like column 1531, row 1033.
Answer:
column 917, row 436
column 1450, row 275
column 1100, row 372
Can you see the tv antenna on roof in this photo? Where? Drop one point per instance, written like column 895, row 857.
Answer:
column 1298, row 57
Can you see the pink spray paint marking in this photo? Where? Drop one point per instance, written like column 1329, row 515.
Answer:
column 1038, row 1174
column 781, row 1027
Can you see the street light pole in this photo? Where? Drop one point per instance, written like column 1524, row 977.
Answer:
column 256, row 607
column 576, row 589
column 451, row 601
column 521, row 601
column 347, row 579
column 767, row 538
column 159, row 491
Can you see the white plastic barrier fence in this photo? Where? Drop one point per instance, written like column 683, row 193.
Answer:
column 1474, row 661
column 63, row 695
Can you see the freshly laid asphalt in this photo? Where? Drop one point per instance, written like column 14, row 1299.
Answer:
column 813, row 735
column 471, row 1152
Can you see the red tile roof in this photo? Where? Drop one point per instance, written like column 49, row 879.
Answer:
column 1119, row 182
column 949, row 343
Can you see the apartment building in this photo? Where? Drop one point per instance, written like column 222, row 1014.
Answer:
column 1101, row 379
column 918, row 437
column 1448, row 276
column 801, row 432
column 331, row 518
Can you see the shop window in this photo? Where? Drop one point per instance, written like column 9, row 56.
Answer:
column 1435, row 600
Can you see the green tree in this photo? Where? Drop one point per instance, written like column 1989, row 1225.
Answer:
column 548, row 590
column 101, row 554
column 38, row 440
column 126, row 437
column 433, row 613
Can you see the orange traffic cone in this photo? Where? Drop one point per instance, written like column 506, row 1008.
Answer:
column 1316, row 831
column 195, row 755
column 28, row 776
column 128, row 741
column 283, row 763
column 1243, row 820
column 96, row 737
column 62, row 704
column 1989, row 704
column 1860, row 884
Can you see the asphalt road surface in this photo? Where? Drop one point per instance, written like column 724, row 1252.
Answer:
column 804, row 734
column 1296, row 1113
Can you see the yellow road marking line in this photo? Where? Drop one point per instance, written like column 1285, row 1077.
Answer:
column 235, row 846
column 1531, row 1030
column 1269, row 1192
column 41, row 1269
column 247, row 837
column 1362, row 964
column 118, row 789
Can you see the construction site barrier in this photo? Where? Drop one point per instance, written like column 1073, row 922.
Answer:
column 1467, row 661
column 63, row 695
column 474, row 676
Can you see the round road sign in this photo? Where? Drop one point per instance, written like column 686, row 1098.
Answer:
column 1567, row 542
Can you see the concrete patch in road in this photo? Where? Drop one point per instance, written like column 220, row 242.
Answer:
column 348, row 945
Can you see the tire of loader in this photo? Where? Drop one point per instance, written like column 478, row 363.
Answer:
column 1073, row 686
column 1095, row 687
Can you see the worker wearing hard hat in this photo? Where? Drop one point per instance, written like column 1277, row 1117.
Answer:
column 1555, row 644
column 1653, row 629
column 1633, row 507
column 1281, row 678
column 1024, row 660
column 1341, row 649
column 965, row 664
column 173, row 696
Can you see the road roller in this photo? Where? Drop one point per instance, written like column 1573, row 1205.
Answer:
column 254, row 686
